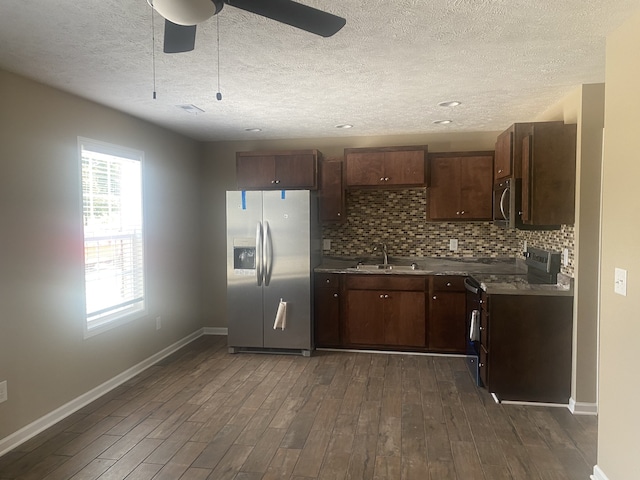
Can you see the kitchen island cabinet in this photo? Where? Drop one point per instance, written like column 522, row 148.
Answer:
column 446, row 328
column 460, row 186
column 327, row 309
column 279, row 170
column 387, row 167
column 385, row 311
column 525, row 347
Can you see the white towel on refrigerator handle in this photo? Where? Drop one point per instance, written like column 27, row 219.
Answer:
column 281, row 316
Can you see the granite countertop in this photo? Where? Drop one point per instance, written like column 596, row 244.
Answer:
column 504, row 276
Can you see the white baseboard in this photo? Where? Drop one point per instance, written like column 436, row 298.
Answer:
column 582, row 408
column 598, row 474
column 216, row 331
column 34, row 428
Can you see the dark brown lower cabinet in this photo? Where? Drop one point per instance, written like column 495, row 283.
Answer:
column 526, row 344
column 384, row 311
column 446, row 330
column 327, row 308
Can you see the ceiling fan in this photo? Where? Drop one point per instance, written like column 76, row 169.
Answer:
column 182, row 16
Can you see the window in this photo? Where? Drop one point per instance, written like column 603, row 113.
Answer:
column 113, row 234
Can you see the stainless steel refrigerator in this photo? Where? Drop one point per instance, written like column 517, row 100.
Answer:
column 273, row 245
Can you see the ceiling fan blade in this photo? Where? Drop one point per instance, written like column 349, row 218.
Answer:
column 178, row 38
column 294, row 14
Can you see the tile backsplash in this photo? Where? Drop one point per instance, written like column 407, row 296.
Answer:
column 398, row 218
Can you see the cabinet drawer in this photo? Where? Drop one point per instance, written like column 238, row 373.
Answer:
column 453, row 283
column 385, row 282
column 327, row 280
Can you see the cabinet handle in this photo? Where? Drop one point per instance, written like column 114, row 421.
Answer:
column 462, row 212
column 386, row 296
column 339, row 214
column 458, row 213
column 499, row 170
column 381, row 296
column 481, row 364
column 386, row 179
column 382, row 179
column 482, row 329
column 448, row 284
column 335, row 295
column 273, row 181
column 277, row 181
column 434, row 297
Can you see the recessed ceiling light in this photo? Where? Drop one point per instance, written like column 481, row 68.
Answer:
column 344, row 125
column 452, row 103
column 443, row 122
column 252, row 129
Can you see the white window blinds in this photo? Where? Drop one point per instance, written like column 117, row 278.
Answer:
column 113, row 233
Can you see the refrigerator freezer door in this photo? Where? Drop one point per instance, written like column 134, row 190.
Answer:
column 244, row 295
column 288, row 262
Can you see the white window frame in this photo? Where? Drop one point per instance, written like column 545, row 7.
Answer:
column 138, row 308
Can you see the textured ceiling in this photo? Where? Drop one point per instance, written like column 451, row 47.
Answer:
column 385, row 72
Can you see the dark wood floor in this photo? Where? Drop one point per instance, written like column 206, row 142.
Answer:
column 205, row 414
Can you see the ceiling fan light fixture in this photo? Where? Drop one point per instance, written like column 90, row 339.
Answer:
column 187, row 12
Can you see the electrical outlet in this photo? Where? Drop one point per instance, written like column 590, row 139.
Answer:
column 620, row 279
column 158, row 323
column 453, row 244
column 326, row 244
column 565, row 257
column 3, row 391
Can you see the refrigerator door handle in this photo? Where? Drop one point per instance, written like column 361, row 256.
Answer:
column 268, row 254
column 259, row 254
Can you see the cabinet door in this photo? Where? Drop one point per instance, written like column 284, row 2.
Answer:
column 476, row 188
column 327, row 310
column 404, row 168
column 447, row 322
column 255, row 172
column 365, row 169
column 404, row 314
column 331, row 193
column 295, row 171
column 444, row 188
column 504, row 155
column 364, row 317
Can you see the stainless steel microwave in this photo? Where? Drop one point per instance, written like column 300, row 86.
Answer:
column 506, row 203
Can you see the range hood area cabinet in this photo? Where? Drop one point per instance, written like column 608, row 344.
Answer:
column 549, row 175
column 539, row 160
column 278, row 170
column 460, row 186
column 386, row 167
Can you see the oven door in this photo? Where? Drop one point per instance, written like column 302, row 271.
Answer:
column 473, row 304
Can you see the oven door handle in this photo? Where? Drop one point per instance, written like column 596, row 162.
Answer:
column 471, row 287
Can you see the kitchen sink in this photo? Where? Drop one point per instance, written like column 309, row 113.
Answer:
column 380, row 266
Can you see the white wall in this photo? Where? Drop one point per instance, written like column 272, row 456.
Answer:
column 43, row 355
column 619, row 381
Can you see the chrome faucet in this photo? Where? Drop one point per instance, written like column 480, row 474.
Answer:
column 385, row 255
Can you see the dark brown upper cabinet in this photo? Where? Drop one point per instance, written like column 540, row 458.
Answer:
column 508, row 157
column 460, row 186
column 386, row 167
column 549, row 175
column 331, row 192
column 289, row 169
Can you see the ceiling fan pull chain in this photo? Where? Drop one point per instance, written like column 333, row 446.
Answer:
column 153, row 49
column 218, row 95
